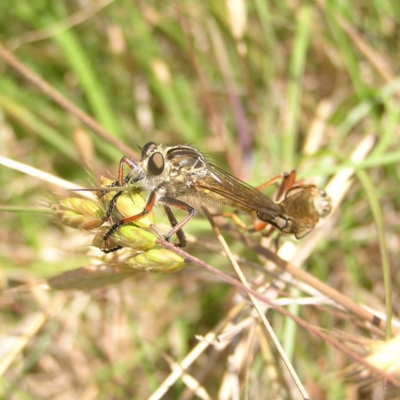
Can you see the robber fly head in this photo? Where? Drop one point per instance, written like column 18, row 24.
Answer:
column 152, row 169
column 153, row 160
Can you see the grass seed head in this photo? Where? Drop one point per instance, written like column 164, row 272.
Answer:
column 157, row 260
column 79, row 213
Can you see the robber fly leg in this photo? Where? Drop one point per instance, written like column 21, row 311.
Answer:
column 151, row 199
column 176, row 227
column 112, row 204
column 112, row 250
column 113, row 201
column 173, row 221
column 122, row 182
column 124, row 160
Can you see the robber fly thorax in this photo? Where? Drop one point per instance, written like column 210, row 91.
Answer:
column 179, row 176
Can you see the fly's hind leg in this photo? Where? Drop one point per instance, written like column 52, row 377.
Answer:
column 173, row 221
column 177, row 226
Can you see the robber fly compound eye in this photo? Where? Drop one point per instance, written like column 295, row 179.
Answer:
column 147, row 148
column 155, row 164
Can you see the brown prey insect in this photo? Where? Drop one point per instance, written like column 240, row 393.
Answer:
column 179, row 175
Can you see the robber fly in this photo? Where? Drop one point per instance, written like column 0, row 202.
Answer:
column 178, row 176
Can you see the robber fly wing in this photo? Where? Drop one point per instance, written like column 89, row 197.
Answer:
column 237, row 191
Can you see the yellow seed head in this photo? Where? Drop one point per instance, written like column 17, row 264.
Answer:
column 79, row 213
column 156, row 260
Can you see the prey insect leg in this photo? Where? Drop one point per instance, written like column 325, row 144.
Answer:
column 288, row 181
column 273, row 180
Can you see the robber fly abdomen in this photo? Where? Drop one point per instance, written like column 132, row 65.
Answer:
column 176, row 176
